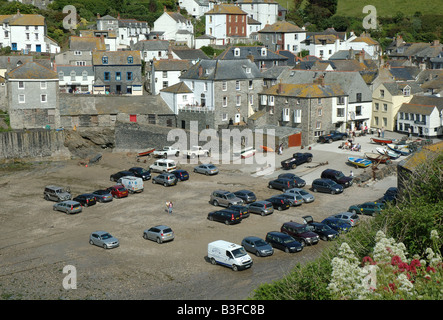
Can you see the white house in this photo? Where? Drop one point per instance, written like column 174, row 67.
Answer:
column 166, row 72
column 26, row 32
column 177, row 96
column 175, row 27
column 264, row 11
column 363, row 42
column 195, row 8
column 283, row 35
column 152, row 49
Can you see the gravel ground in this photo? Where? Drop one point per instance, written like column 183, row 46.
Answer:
column 36, row 243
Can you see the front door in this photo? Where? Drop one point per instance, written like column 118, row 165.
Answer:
column 14, row 46
column 38, row 48
column 237, row 118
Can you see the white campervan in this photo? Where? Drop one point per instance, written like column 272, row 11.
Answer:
column 163, row 165
column 229, row 254
column 133, row 184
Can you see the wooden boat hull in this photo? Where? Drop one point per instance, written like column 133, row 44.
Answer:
column 382, row 141
column 360, row 162
column 381, row 158
column 392, row 154
column 146, row 153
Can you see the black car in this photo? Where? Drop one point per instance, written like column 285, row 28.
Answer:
column 181, row 175
column 283, row 241
column 280, row 203
column 141, row 173
column 390, row 195
column 226, row 216
column 281, row 184
column 337, row 224
column 86, row 199
column 326, row 185
column 337, row 176
column 246, row 195
column 114, row 177
column 299, row 182
column 325, row 232
column 244, row 212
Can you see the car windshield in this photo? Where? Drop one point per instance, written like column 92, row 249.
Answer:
column 324, row 227
column 301, row 229
column 230, row 196
column 304, row 192
column 339, row 175
column 288, row 239
column 167, row 230
column 240, row 252
column 106, row 236
column 211, row 167
column 260, row 243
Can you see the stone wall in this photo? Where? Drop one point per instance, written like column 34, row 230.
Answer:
column 33, row 144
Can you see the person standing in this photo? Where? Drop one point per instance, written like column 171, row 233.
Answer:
column 170, row 207
column 409, row 132
column 382, row 132
column 379, row 132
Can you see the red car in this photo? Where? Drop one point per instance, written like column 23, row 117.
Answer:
column 118, row 191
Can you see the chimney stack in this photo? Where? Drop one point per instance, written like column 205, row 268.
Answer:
column 98, row 15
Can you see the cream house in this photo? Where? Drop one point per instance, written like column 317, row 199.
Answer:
column 387, row 99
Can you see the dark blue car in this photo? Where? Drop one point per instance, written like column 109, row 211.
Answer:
column 181, row 175
column 337, row 224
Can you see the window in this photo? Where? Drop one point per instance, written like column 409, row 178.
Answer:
column 237, row 85
column 36, row 36
column 318, row 125
column 340, row 112
column 21, row 85
column 43, row 98
column 401, row 114
column 319, row 100
column 358, row 110
column 80, row 63
column 224, row 85
column 6, row 34
column 406, row 116
column 205, row 86
column 358, row 97
column 319, row 112
column 42, row 84
column 251, row 99
column 118, row 76
column 165, row 84
column 224, row 117
column 297, row 116
column 407, row 91
column 376, row 106
column 73, row 75
column 77, row 53
column 238, row 101
column 151, row 119
column 225, row 101
column 130, row 60
column 27, row 36
column 286, row 113
column 85, row 75
column 61, row 74
column 237, row 52
column 21, row 98
column 340, row 100
column 376, row 121
column 385, row 107
column 129, row 76
column 382, row 93
column 107, row 76
column 385, row 122
column 251, row 85
column 105, row 60
column 165, row 74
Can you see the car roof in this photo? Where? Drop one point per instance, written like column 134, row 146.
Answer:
column 161, row 226
column 253, row 238
column 69, row 202
column 294, row 224
column 262, row 201
column 279, row 234
column 100, row 232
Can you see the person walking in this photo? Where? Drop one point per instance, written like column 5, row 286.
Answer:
column 379, row 132
column 170, row 207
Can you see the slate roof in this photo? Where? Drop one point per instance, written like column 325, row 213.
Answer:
column 186, row 53
column 404, row 73
column 255, row 51
column 396, row 88
column 225, row 8
column 86, row 43
column 180, row 87
column 305, row 90
column 177, row 17
column 423, row 104
column 171, row 65
column 23, row 19
column 222, row 70
column 151, row 45
column 116, row 57
column 32, row 70
column 281, row 27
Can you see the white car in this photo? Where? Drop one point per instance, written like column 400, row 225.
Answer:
column 307, row 197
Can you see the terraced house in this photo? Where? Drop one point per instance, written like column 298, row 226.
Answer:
column 117, row 72
column 227, row 23
column 33, row 97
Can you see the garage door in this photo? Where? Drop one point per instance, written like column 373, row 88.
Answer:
column 294, row 140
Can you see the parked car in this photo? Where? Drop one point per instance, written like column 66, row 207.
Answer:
column 337, row 225
column 257, row 246
column 102, row 195
column 352, row 218
column 242, row 209
column 390, row 195
column 295, row 200
column 225, row 216
column 261, row 207
column 326, row 185
column 229, row 254
column 246, row 195
column 114, row 177
column 118, row 191
column 297, row 159
column 166, row 179
column 140, row 172
column 207, row 169
column 283, row 241
column 167, row 151
column 181, row 175
column 299, row 182
column 371, row 208
column 68, row 207
column 103, row 239
column 86, row 199
column 333, row 136
column 56, row 193
column 160, row 233
column 306, row 196
column 278, row 202
column 325, row 232
column 163, row 165
column 300, row 233
column 281, row 184
column 337, row 176
column 132, row 184
column 224, row 198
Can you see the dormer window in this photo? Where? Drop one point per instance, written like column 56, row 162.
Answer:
column 407, row 91
column 105, row 60
column 130, row 59
column 263, row 52
column 237, row 52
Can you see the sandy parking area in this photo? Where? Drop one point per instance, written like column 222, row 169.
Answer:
column 36, row 243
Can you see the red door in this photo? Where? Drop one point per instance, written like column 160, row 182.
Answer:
column 133, row 118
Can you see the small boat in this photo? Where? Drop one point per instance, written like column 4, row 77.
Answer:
column 146, row 153
column 267, row 149
column 360, row 162
column 392, row 154
column 403, row 149
column 376, row 157
column 382, row 141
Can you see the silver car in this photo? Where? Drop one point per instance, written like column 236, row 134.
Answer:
column 207, row 169
column 262, row 207
column 294, row 199
column 68, row 207
column 224, row 198
column 307, row 197
column 103, row 239
column 352, row 218
column 257, row 246
column 159, row 233
column 102, row 195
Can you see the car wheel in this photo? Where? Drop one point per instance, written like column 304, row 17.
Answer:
column 193, row 156
column 234, row 267
column 54, row 208
column 177, row 154
column 303, row 243
column 353, row 211
column 269, row 186
column 262, row 214
column 165, row 184
column 211, row 218
column 287, row 250
column 279, row 208
column 153, row 181
column 294, row 166
column 213, row 261
column 159, row 241
column 215, row 203
column 90, row 242
column 226, row 222
column 207, row 154
column 145, row 236
column 314, row 189
column 309, row 159
column 284, row 190
column 257, row 253
column 104, row 246
column 207, row 173
column 332, row 192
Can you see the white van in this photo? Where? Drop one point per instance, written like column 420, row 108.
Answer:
column 163, row 165
column 133, row 184
column 229, row 254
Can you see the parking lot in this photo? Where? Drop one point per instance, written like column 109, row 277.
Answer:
column 36, row 243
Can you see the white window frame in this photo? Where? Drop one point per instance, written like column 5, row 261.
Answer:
column 21, row 85
column 43, row 98
column 43, row 85
column 20, row 100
